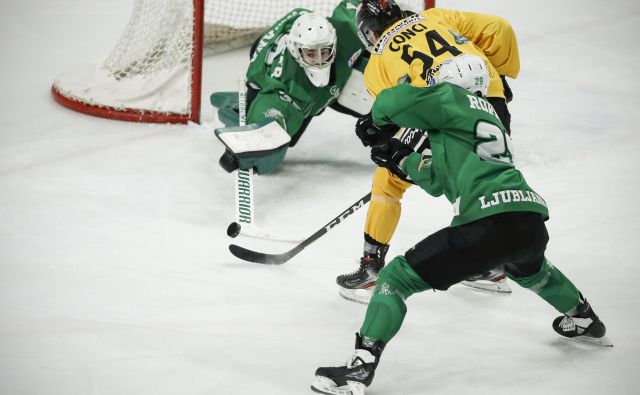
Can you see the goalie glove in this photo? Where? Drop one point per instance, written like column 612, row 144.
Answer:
column 260, row 146
column 390, row 155
column 371, row 134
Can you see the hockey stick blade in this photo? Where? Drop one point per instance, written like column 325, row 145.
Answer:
column 259, row 257
column 278, row 259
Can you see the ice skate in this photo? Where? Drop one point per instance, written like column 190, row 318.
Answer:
column 359, row 285
column 491, row 281
column 583, row 326
column 353, row 377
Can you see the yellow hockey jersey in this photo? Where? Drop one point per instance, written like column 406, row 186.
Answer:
column 414, row 45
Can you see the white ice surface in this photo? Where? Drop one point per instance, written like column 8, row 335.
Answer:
column 115, row 276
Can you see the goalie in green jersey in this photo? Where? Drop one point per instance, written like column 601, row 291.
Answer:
column 498, row 222
column 300, row 66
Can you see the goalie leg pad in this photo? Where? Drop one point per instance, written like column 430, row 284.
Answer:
column 262, row 145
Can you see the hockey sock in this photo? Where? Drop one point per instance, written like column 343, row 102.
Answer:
column 386, row 311
column 384, row 210
column 382, row 219
column 374, row 248
column 551, row 285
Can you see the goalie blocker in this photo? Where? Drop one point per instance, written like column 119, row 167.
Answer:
column 261, row 146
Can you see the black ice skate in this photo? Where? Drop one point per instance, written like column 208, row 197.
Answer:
column 491, row 281
column 353, row 377
column 583, row 326
column 359, row 285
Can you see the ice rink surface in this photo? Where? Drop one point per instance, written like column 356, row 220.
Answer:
column 115, row 276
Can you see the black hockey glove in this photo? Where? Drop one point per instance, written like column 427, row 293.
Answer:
column 372, row 135
column 390, row 154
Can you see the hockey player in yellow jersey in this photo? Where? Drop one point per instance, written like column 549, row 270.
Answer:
column 410, row 48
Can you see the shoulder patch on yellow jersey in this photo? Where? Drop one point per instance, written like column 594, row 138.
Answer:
column 382, row 42
column 460, row 39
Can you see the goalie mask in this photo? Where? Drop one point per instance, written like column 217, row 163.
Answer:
column 373, row 17
column 467, row 71
column 312, row 43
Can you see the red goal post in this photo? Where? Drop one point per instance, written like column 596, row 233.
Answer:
column 154, row 74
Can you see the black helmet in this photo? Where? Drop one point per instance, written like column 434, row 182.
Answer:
column 374, row 17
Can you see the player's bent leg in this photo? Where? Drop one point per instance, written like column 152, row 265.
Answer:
column 386, row 311
column 383, row 215
column 527, row 249
column 441, row 265
column 579, row 321
column 551, row 285
column 397, row 281
column 456, row 253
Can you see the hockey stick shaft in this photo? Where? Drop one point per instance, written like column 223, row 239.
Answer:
column 278, row 259
column 244, row 186
column 244, row 178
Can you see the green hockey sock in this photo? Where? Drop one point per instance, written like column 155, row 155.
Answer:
column 386, row 311
column 551, row 285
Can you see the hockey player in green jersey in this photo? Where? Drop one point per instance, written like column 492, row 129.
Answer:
column 298, row 68
column 498, row 218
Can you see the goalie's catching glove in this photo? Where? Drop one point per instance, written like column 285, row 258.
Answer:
column 390, row 156
column 371, row 134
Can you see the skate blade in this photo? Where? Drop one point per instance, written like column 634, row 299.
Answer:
column 500, row 287
column 357, row 388
column 325, row 385
column 595, row 341
column 360, row 295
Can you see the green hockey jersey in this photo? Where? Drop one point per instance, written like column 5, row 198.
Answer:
column 471, row 155
column 285, row 92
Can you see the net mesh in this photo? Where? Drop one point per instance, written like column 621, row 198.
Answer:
column 158, row 36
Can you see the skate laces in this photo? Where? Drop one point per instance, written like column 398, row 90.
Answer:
column 567, row 324
column 575, row 324
column 365, row 263
column 360, row 357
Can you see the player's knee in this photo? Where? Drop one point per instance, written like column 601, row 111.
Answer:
column 526, row 269
column 534, row 281
column 399, row 278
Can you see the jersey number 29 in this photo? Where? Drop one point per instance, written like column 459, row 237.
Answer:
column 495, row 144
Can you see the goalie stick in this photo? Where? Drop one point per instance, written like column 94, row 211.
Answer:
column 278, row 259
column 245, row 223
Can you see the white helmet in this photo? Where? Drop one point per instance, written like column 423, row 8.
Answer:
column 312, row 43
column 467, row 71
